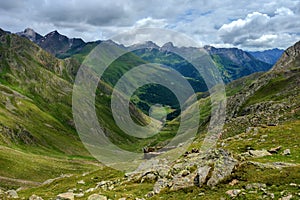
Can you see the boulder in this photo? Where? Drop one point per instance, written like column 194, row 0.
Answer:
column 259, row 153
column 233, row 193
column 65, row 196
column 234, row 182
column 274, row 150
column 35, row 197
column 223, row 168
column 159, row 185
column 287, row 197
column 180, row 181
column 97, row 197
column 287, row 152
column 255, row 186
column 12, row 194
column 202, row 173
column 82, row 182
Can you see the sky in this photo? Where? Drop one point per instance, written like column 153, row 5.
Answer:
column 249, row 25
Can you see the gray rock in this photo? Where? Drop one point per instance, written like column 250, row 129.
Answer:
column 287, row 152
column 159, row 185
column 150, row 194
column 78, row 195
column 12, row 194
column 180, row 182
column 65, row 196
column 202, row 173
column 149, row 177
column 89, row 190
column 233, row 193
column 82, row 182
column 253, row 186
column 184, row 172
column 222, row 169
column 35, row 197
column 97, row 197
column 287, row 197
column 259, row 153
column 275, row 149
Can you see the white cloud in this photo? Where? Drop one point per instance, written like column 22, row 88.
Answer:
column 284, row 11
column 226, row 22
column 149, row 22
column 280, row 29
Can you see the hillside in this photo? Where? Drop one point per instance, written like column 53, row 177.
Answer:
column 38, row 138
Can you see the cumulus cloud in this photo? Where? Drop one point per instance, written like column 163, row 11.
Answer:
column 259, row 29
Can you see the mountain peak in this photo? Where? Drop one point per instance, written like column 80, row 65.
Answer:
column 53, row 33
column 30, row 34
column 167, row 47
column 168, row 44
column 144, row 45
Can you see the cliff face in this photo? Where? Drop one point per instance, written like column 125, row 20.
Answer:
column 289, row 59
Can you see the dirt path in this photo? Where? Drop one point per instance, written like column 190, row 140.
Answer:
column 20, row 181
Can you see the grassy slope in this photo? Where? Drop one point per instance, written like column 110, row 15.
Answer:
column 277, row 180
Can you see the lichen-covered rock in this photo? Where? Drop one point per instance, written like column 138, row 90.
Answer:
column 35, row 197
column 65, row 196
column 223, row 168
column 12, row 194
column 97, row 197
column 259, row 153
column 202, row 173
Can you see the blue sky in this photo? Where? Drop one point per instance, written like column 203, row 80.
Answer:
column 248, row 25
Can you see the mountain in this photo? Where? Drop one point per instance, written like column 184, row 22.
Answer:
column 270, row 56
column 233, row 63
column 58, row 44
column 54, row 43
column 30, row 34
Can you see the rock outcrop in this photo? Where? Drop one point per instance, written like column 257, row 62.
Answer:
column 196, row 169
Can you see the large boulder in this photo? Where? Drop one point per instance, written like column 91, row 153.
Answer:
column 97, row 197
column 65, row 196
column 12, row 194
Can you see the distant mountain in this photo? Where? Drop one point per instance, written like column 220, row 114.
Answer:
column 30, row 34
column 269, row 56
column 59, row 45
column 235, row 63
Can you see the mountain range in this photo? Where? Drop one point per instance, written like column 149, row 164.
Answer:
column 256, row 156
